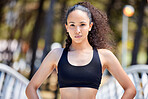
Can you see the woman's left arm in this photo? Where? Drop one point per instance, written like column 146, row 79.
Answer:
column 115, row 68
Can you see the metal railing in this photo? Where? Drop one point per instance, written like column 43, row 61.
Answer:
column 139, row 76
column 12, row 83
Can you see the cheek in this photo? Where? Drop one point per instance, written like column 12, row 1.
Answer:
column 86, row 30
column 71, row 29
column 71, row 34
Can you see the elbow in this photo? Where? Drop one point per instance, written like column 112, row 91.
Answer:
column 27, row 90
column 129, row 93
column 134, row 91
column 30, row 89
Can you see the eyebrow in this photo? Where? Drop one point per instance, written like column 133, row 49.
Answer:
column 80, row 22
column 71, row 22
column 83, row 22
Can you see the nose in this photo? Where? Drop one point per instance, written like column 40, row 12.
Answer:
column 77, row 29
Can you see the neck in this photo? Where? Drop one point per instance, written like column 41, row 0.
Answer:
column 80, row 46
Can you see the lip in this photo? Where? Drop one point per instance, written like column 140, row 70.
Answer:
column 78, row 36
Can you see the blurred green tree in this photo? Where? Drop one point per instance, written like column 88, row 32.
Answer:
column 138, row 35
column 35, row 36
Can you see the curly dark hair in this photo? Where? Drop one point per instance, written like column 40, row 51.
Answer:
column 100, row 34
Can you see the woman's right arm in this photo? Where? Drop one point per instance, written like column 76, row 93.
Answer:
column 46, row 68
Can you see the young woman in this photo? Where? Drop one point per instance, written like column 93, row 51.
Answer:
column 81, row 63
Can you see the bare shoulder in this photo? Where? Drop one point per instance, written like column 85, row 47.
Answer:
column 105, row 52
column 106, row 56
column 57, row 51
column 56, row 54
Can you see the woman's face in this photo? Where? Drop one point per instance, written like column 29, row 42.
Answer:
column 78, row 26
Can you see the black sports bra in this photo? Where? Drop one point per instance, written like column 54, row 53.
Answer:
column 79, row 76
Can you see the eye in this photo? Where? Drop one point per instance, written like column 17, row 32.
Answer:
column 82, row 24
column 72, row 25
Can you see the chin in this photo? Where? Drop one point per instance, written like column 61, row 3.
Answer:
column 78, row 41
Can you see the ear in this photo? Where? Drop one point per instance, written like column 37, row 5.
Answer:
column 66, row 27
column 90, row 26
